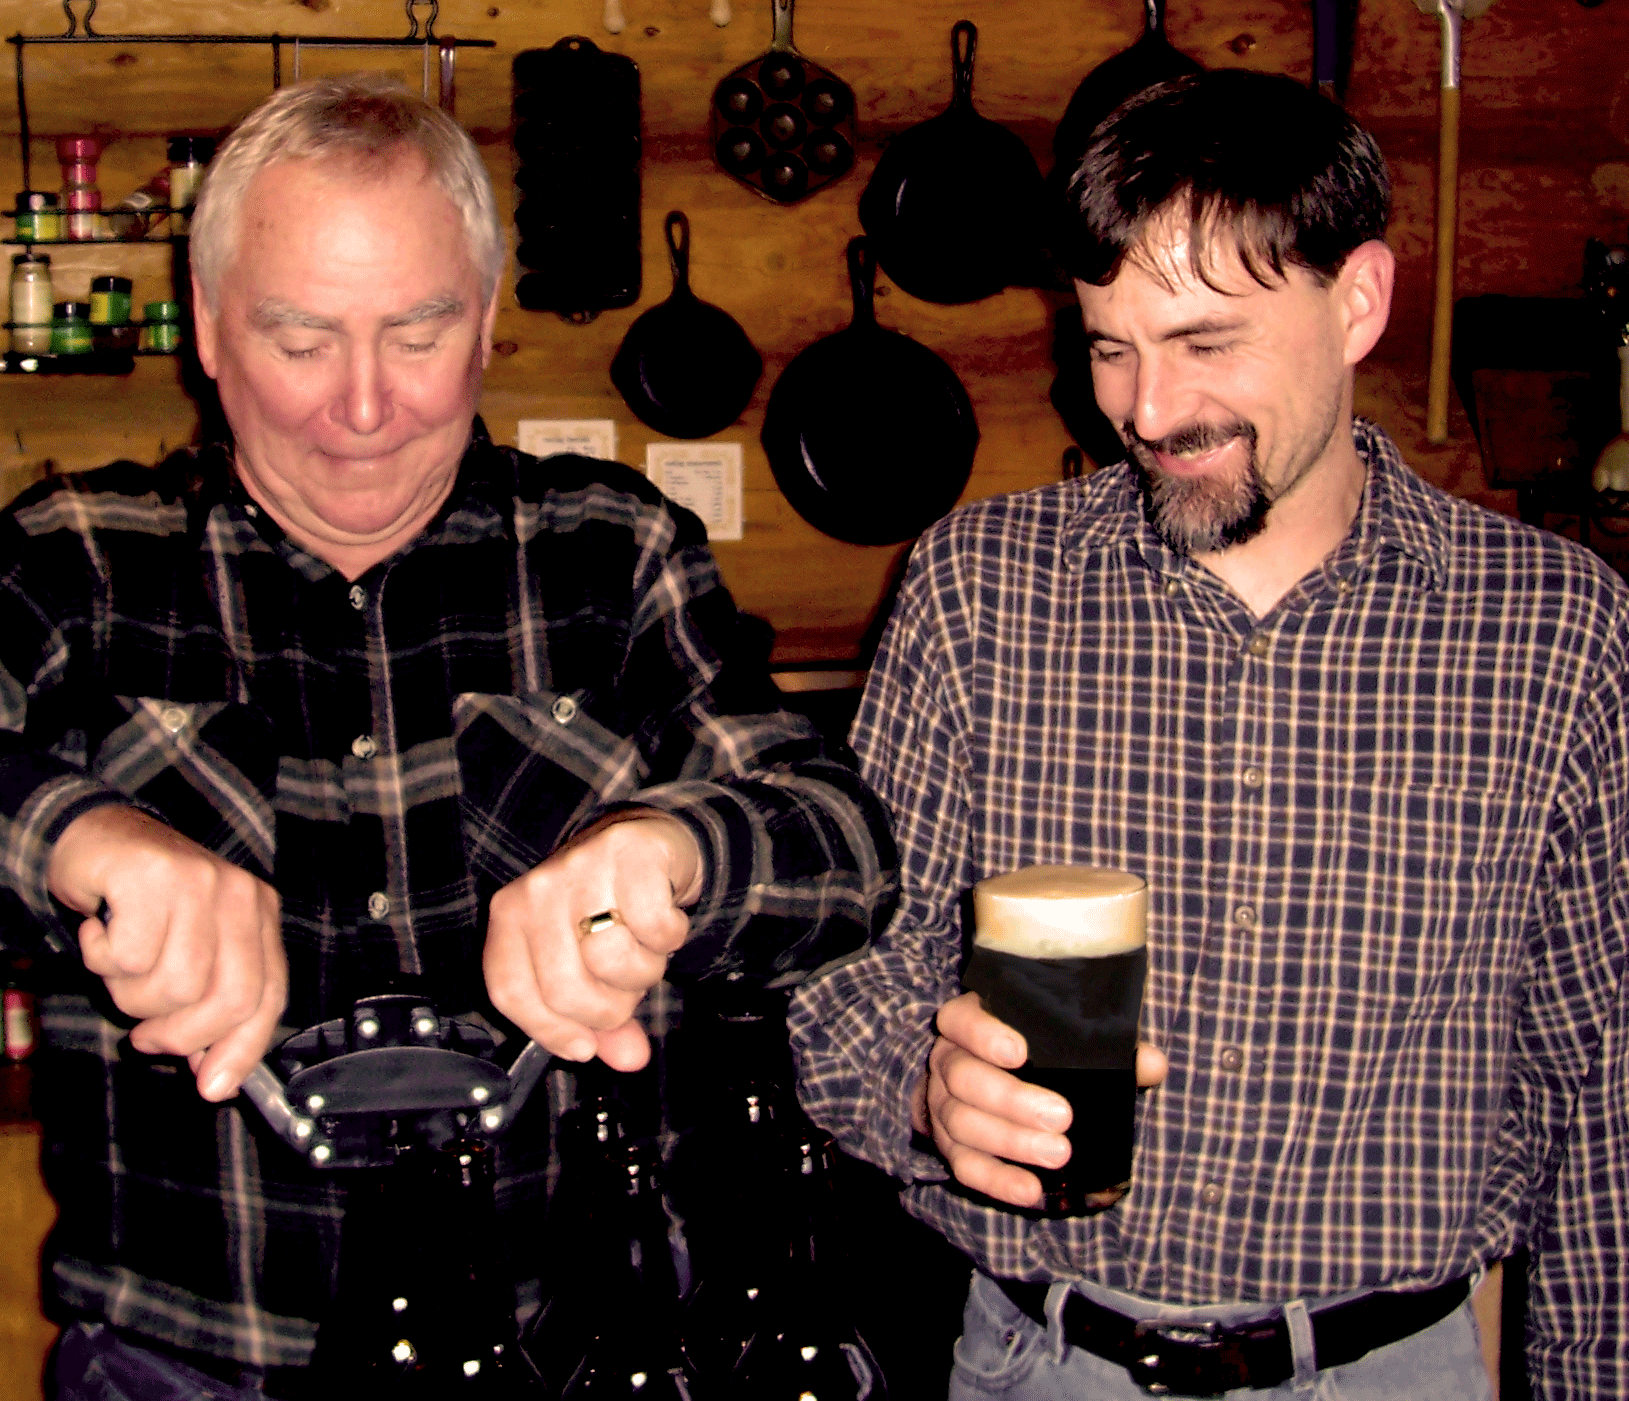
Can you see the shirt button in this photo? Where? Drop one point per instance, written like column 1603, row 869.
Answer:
column 1343, row 586
column 1253, row 777
column 1232, row 1058
column 1173, row 587
column 378, row 905
column 359, row 597
column 1245, row 916
column 252, row 512
column 564, row 710
column 173, row 718
column 1259, row 644
column 1210, row 1194
column 364, row 747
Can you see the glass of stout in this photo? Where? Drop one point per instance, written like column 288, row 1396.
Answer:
column 1059, row 954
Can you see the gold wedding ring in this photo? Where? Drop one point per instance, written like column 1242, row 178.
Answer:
column 593, row 924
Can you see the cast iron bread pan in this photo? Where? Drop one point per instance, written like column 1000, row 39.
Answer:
column 954, row 206
column 869, row 433
column 686, row 367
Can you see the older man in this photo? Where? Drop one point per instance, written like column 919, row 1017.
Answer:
column 360, row 694
column 1365, row 741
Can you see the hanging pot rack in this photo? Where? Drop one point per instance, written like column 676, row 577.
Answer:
column 440, row 52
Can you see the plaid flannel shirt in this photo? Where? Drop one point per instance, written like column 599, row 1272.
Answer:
column 387, row 753
column 1384, row 831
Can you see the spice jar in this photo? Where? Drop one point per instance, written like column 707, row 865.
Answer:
column 81, row 199
column 111, row 328
column 39, row 217
column 31, row 303
column 109, row 301
column 71, row 329
column 161, row 327
column 188, row 157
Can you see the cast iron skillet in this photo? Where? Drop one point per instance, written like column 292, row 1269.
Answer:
column 870, row 434
column 1150, row 60
column 686, row 367
column 954, row 206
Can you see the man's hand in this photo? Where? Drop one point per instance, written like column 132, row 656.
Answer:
column 574, row 944
column 979, row 1114
column 191, row 945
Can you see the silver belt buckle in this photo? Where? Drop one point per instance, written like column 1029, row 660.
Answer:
column 1185, row 1359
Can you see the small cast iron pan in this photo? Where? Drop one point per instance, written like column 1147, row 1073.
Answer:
column 783, row 126
column 954, row 207
column 869, row 433
column 1150, row 60
column 686, row 367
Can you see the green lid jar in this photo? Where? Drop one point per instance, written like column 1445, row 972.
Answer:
column 38, row 216
column 71, row 329
column 161, row 327
column 109, row 301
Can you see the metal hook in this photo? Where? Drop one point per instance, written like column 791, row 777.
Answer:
column 413, row 19
column 73, row 23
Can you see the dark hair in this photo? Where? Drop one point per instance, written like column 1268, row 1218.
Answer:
column 1257, row 157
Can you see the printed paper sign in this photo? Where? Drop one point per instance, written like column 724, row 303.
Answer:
column 592, row 437
column 705, row 478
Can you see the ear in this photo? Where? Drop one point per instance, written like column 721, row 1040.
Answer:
column 1363, row 289
column 489, row 319
column 204, row 329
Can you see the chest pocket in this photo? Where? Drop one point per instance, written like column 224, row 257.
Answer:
column 209, row 768
column 531, row 768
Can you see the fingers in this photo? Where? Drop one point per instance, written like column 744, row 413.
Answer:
column 188, row 944
column 574, row 945
column 987, row 1122
column 230, row 1058
column 981, row 1115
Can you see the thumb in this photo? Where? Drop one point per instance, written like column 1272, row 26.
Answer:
column 624, row 1047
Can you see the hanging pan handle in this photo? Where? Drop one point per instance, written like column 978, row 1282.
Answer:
column 862, row 279
column 965, row 36
column 678, row 249
column 782, row 12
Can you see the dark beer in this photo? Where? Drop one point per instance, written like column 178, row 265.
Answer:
column 1060, row 955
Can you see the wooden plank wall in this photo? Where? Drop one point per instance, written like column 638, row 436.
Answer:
column 1546, row 164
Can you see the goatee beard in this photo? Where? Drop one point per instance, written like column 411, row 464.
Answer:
column 1199, row 515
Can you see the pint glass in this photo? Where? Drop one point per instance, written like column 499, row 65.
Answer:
column 1059, row 954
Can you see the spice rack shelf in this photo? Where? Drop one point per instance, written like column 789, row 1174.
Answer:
column 440, row 63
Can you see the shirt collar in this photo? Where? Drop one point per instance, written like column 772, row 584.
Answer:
column 1398, row 512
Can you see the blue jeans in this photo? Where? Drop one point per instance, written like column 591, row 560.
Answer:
column 1003, row 1352
column 93, row 1363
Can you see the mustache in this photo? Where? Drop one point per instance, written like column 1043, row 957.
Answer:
column 1192, row 437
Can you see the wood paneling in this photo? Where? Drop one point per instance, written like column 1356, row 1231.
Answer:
column 1545, row 165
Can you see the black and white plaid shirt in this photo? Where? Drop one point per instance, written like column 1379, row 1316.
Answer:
column 388, row 754
column 1384, row 831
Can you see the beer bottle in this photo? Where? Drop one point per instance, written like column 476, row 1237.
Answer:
column 740, row 1237
column 810, row 1349
column 425, row 1307
column 608, row 1328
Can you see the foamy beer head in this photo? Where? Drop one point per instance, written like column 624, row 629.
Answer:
column 1061, row 912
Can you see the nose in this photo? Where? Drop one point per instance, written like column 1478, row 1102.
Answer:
column 364, row 402
column 1163, row 400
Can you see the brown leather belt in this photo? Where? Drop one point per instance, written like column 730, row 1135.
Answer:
column 1188, row 1358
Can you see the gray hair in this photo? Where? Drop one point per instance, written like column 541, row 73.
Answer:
column 363, row 118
